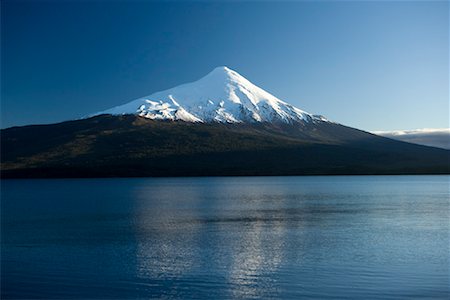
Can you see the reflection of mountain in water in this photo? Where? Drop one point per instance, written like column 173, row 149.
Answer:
column 241, row 232
column 245, row 247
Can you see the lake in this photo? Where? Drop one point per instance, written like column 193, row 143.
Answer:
column 323, row 237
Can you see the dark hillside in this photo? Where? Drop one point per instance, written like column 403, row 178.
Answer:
column 128, row 145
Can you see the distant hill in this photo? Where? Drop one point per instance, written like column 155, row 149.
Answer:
column 439, row 138
column 130, row 145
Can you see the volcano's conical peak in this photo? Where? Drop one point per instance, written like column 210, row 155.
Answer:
column 223, row 95
column 227, row 75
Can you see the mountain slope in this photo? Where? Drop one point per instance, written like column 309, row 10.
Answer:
column 221, row 124
column 221, row 96
column 130, row 145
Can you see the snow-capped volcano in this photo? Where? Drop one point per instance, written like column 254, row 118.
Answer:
column 221, row 96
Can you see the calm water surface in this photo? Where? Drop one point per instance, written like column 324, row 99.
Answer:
column 381, row 237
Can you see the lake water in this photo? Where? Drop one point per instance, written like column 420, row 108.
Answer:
column 370, row 237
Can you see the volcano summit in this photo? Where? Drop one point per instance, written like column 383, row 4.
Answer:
column 221, row 96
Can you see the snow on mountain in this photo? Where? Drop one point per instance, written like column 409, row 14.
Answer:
column 221, row 96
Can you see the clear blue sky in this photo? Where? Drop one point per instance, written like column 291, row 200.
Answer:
column 371, row 65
